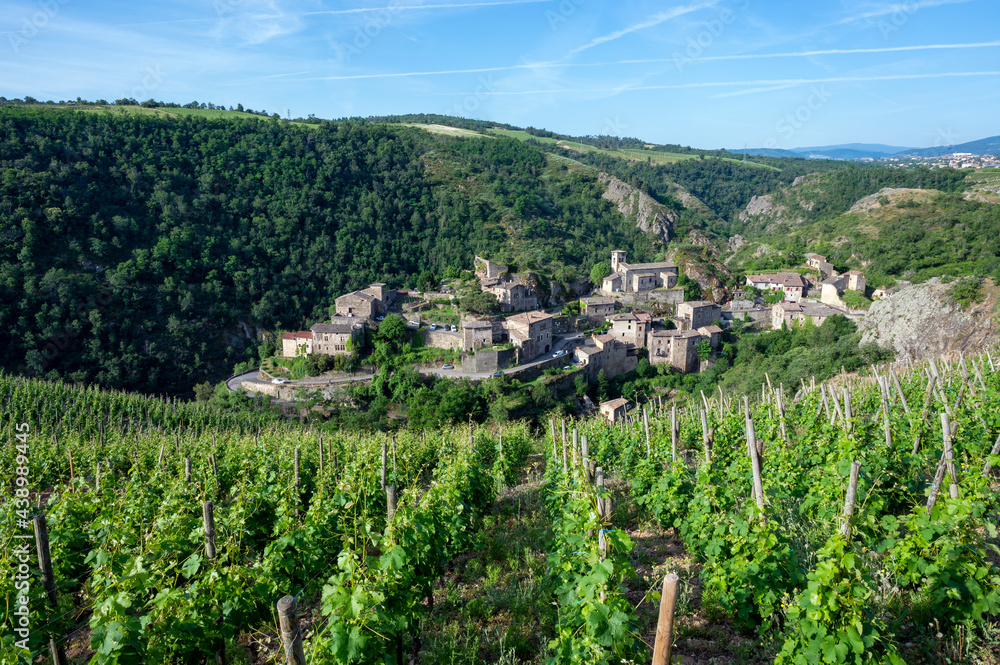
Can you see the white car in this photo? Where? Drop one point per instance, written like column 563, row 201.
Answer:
column 559, row 353
column 432, row 327
column 279, row 381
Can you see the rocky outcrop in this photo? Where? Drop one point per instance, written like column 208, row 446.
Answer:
column 736, row 242
column 708, row 281
column 922, row 320
column 760, row 206
column 889, row 196
column 650, row 216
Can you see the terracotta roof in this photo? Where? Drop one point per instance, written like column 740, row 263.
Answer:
column 615, row 403
column 332, row 328
column 302, row 334
column 529, row 317
column 710, row 329
column 810, row 255
column 784, row 278
column 604, row 339
column 854, row 272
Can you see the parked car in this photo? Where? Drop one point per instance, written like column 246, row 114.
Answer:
column 454, row 328
column 568, row 367
column 559, row 353
column 499, row 372
column 447, row 367
column 432, row 327
column 380, row 318
column 279, row 381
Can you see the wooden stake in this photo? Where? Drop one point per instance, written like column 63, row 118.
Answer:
column 664, row 644
column 705, row 437
column 298, row 483
column 390, row 502
column 996, row 451
column 645, row 423
column 949, row 455
column 70, row 453
column 385, row 457
column 758, row 483
column 852, row 491
column 48, row 581
column 673, row 433
column 187, row 469
column 291, row 637
column 208, row 518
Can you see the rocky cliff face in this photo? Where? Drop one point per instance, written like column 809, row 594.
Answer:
column 922, row 320
column 650, row 216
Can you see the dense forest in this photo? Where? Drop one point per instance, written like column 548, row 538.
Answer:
column 147, row 252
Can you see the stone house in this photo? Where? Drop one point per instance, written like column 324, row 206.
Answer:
column 636, row 277
column 791, row 284
column 631, row 328
column 790, row 313
column 834, row 287
column 679, row 348
column 605, row 352
column 614, row 410
column 366, row 303
column 487, row 270
column 332, row 338
column 597, row 307
column 819, row 263
column 511, row 295
column 294, row 344
column 477, row 334
column 531, row 332
column 698, row 313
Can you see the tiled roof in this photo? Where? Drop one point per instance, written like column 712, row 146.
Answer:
column 698, row 303
column 331, row 328
column 792, row 279
column 615, row 403
column 302, row 334
column 604, row 339
column 477, row 325
column 529, row 317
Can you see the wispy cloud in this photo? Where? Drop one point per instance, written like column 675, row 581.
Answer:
column 618, row 63
column 650, row 22
column 404, row 8
column 899, row 7
column 775, row 84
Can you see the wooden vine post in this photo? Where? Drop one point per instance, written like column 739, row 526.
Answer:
column 852, row 492
column 291, row 637
column 645, row 424
column 48, row 581
column 706, row 438
column 674, row 429
column 391, row 499
column 187, row 469
column 949, row 455
column 208, row 518
column 298, row 483
column 385, row 458
column 665, row 623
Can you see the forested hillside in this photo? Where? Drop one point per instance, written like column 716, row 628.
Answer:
column 146, row 252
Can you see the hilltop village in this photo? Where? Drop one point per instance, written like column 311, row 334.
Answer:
column 637, row 306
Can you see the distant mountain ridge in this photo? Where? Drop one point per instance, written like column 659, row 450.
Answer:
column 853, row 151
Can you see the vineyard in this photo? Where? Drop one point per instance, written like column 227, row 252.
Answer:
column 846, row 522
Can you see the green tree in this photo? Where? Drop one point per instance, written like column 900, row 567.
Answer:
column 599, row 272
column 393, row 331
column 427, row 281
column 704, row 349
column 203, row 392
column 603, row 386
column 480, row 302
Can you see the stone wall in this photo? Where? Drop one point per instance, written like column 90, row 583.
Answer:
column 489, row 360
column 661, row 297
column 440, row 339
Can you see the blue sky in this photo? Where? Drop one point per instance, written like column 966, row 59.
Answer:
column 708, row 74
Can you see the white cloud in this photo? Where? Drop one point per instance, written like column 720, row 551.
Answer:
column 652, row 21
column 898, row 8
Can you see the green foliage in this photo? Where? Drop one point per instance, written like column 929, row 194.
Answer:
column 480, row 302
column 600, row 270
column 855, row 300
column 692, row 290
column 704, row 349
column 773, row 297
column 967, row 291
column 427, row 281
